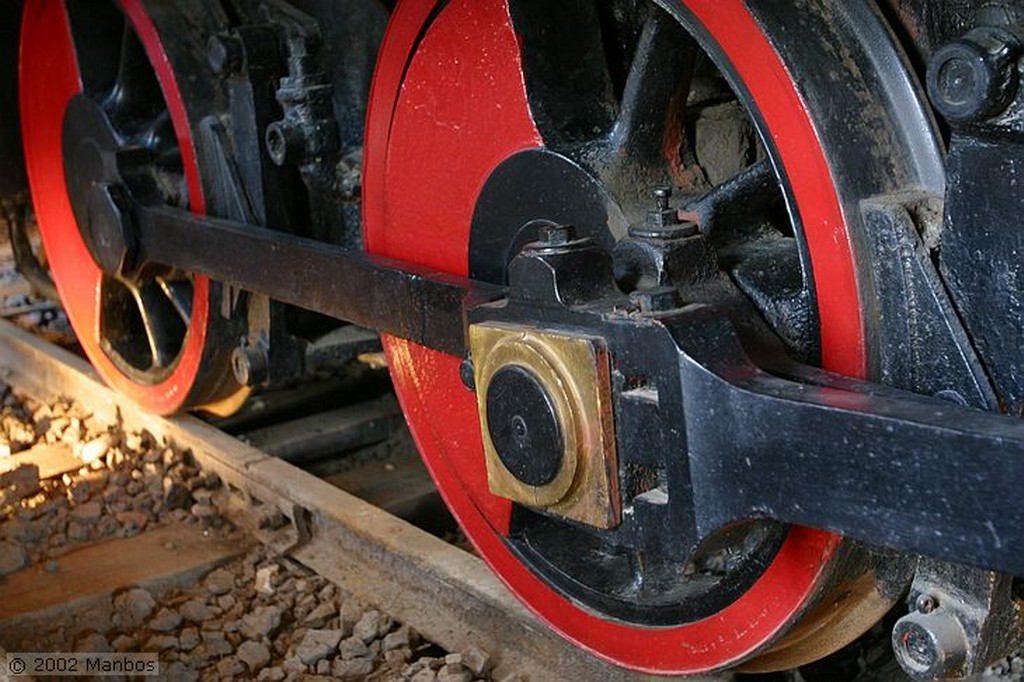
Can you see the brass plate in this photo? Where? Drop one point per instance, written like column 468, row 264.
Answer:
column 575, row 371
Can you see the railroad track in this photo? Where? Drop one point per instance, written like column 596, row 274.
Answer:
column 444, row 592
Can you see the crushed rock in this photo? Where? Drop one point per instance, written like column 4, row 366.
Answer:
column 259, row 617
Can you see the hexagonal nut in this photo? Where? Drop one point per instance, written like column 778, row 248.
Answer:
column 110, row 234
column 930, row 646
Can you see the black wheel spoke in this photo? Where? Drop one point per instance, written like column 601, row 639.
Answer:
column 569, row 88
column 160, row 132
column 163, row 327
column 135, row 99
column 179, row 293
column 97, row 31
column 655, row 90
column 739, row 205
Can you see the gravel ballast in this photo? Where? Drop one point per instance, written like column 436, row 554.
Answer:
column 260, row 616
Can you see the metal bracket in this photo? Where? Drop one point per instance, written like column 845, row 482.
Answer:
column 961, row 621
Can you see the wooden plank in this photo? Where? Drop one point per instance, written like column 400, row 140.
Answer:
column 328, row 433
column 53, row 459
column 447, row 594
column 103, row 568
column 399, row 485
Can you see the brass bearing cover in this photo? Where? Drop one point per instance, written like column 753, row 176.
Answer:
column 545, row 405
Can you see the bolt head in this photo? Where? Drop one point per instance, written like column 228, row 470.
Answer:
column 930, row 645
column 556, row 235
column 467, row 374
column 656, row 299
column 111, row 228
column 974, row 78
column 284, row 143
column 925, row 603
column 224, row 54
column 250, row 364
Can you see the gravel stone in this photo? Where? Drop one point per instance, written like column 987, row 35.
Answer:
column 317, row 644
column 94, row 449
column 275, row 674
column 195, row 611
column 265, row 579
column 216, row 644
column 20, row 483
column 219, row 582
column 161, row 643
column 165, row 620
column 93, row 643
column 188, row 639
column 477, row 660
column 319, row 616
column 177, row 671
column 107, row 526
column 255, row 655
column 77, row 531
column 89, row 512
column 352, row 669
column 134, row 607
column 353, row 647
column 229, row 667
column 123, row 644
column 396, row 640
column 203, row 511
column 372, row 625
column 425, row 675
column 460, row 674
column 132, row 520
column 263, row 622
column 12, row 557
column 323, row 667
column 176, row 495
column 294, row 664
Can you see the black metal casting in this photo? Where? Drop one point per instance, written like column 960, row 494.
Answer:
column 834, row 453
column 379, row 293
column 981, row 239
column 524, row 425
column 12, row 165
column 961, row 620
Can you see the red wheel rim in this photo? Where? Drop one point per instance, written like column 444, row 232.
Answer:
column 415, row 209
column 49, row 78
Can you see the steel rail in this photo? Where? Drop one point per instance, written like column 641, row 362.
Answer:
column 445, row 593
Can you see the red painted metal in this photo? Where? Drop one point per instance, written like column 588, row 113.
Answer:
column 444, row 112
column 49, row 78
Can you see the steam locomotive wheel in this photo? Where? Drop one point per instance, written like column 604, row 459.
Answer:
column 99, row 89
column 488, row 118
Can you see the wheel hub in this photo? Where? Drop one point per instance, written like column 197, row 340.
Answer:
column 95, row 186
column 531, row 189
column 545, row 415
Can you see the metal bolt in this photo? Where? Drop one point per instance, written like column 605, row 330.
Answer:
column 974, row 78
column 285, row 143
column 250, row 363
column 556, row 235
column 926, row 603
column 663, row 221
column 930, row 646
column 111, row 228
column 468, row 374
column 225, row 54
column 662, row 215
column 656, row 299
